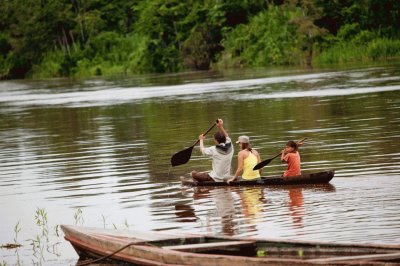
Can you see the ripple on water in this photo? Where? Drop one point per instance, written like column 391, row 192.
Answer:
column 105, row 147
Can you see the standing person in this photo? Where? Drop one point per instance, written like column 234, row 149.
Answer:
column 221, row 154
column 291, row 156
column 247, row 159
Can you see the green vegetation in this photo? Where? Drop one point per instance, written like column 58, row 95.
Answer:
column 355, row 51
column 44, row 245
column 54, row 38
column 78, row 217
column 17, row 229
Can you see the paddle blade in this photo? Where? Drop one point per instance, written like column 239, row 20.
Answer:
column 181, row 157
column 262, row 164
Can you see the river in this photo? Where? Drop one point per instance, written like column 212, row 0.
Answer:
column 97, row 153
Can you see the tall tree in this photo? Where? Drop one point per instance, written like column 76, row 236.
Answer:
column 33, row 28
column 305, row 19
column 384, row 16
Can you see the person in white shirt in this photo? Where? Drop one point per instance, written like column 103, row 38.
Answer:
column 221, row 155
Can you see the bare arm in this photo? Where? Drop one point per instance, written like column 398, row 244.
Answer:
column 283, row 154
column 239, row 169
column 301, row 142
column 221, row 128
column 258, row 161
column 202, row 148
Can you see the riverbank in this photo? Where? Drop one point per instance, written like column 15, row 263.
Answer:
column 135, row 37
column 118, row 62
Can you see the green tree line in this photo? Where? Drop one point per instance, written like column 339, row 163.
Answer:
column 53, row 38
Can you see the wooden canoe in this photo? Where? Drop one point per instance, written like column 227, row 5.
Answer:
column 305, row 178
column 156, row 248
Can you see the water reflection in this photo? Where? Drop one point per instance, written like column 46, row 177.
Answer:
column 296, row 208
column 251, row 204
column 105, row 146
column 223, row 204
column 241, row 210
column 225, row 209
column 185, row 213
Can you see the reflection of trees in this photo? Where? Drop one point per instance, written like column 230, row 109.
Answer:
column 69, row 146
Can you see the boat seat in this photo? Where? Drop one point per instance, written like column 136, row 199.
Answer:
column 211, row 246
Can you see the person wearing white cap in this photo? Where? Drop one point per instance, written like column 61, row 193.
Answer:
column 247, row 159
column 221, row 154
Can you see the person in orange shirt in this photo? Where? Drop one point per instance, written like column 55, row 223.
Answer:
column 291, row 156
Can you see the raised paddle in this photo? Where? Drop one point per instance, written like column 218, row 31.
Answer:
column 182, row 157
column 265, row 162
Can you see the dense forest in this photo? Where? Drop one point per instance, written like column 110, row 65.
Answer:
column 53, row 38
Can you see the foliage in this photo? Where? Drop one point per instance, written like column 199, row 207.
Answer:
column 268, row 39
column 105, row 37
column 197, row 49
column 110, row 53
column 78, row 217
column 33, row 30
column 17, row 229
column 352, row 52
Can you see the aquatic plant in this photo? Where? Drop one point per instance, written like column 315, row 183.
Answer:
column 17, row 229
column 78, row 216
column 40, row 244
column 126, row 224
column 56, row 230
column 53, row 249
column 41, row 221
column 38, row 250
column 104, row 220
column 18, row 261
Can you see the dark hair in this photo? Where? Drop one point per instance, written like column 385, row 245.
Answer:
column 292, row 144
column 246, row 146
column 219, row 137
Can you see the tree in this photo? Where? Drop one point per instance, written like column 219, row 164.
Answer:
column 308, row 32
column 384, row 16
column 32, row 30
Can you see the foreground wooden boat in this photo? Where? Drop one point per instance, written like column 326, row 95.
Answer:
column 306, row 178
column 155, row 248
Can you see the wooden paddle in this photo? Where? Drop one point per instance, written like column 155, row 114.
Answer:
column 265, row 162
column 183, row 156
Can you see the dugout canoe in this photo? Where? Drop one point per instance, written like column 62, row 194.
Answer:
column 305, row 178
column 156, row 248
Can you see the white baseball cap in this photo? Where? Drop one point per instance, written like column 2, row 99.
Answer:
column 243, row 139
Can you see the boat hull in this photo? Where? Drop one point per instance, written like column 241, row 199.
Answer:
column 306, row 178
column 155, row 248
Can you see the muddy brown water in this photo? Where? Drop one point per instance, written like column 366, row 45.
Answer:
column 97, row 153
